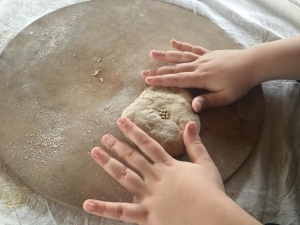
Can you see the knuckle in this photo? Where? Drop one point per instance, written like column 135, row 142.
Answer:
column 181, row 55
column 153, row 71
column 195, row 50
column 130, row 155
column 167, row 162
column 111, row 143
column 185, row 46
column 162, row 54
column 178, row 78
column 122, row 173
column 103, row 209
column 173, row 68
column 197, row 142
column 178, row 45
column 190, row 48
column 120, row 211
column 144, row 141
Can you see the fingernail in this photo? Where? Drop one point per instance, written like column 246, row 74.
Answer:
column 155, row 53
column 145, row 72
column 199, row 106
column 97, row 153
column 91, row 206
column 121, row 122
column 106, row 138
column 193, row 128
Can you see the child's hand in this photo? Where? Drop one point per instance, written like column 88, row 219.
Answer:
column 166, row 191
column 226, row 74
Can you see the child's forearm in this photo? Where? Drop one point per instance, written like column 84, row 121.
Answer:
column 276, row 60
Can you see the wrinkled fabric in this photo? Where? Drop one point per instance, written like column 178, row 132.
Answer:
column 268, row 184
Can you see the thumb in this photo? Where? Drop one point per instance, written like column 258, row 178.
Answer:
column 210, row 100
column 195, row 149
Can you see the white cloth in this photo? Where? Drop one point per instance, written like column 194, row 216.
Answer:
column 267, row 185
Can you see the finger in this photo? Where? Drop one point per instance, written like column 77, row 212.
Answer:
column 194, row 147
column 181, row 80
column 210, row 100
column 144, row 142
column 176, row 68
column 125, row 176
column 127, row 212
column 188, row 47
column 130, row 156
column 174, row 56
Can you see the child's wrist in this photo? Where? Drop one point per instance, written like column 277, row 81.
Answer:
column 257, row 66
column 237, row 215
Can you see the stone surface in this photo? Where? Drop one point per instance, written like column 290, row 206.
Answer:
column 66, row 78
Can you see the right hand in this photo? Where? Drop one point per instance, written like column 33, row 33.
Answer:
column 227, row 74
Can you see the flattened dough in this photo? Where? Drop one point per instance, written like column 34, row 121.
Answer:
column 145, row 113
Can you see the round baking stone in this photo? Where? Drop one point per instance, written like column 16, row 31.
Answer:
column 66, row 78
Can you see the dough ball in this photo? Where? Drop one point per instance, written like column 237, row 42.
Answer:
column 163, row 114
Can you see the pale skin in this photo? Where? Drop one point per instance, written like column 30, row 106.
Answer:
column 227, row 74
column 167, row 191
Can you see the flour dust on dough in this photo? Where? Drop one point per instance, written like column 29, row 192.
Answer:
column 163, row 114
